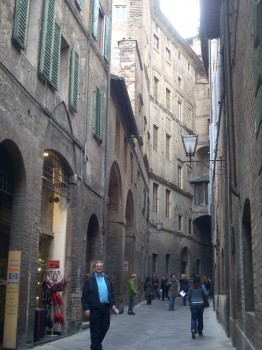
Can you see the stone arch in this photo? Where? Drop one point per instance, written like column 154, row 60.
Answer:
column 185, row 259
column 130, row 241
column 115, row 235
column 12, row 211
column 247, row 257
column 92, row 243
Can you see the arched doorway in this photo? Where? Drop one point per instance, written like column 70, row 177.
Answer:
column 184, row 262
column 6, row 199
column 53, row 222
column 12, row 194
column 114, row 239
column 130, row 240
column 93, row 247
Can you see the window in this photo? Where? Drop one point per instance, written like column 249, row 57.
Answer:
column 125, row 154
column 80, row 4
column 179, row 222
column 156, row 42
column 20, row 22
column 101, row 29
column 155, row 138
column 55, row 175
column 156, row 115
column 168, row 206
column 179, row 55
column 179, row 103
column 132, row 167
column 189, row 176
column 189, row 226
column 168, row 54
column 180, row 83
column 179, row 176
column 156, row 81
column 167, row 262
column 155, row 198
column 74, row 80
column 98, row 109
column 120, row 13
column 50, row 45
column 188, row 66
column 117, row 137
column 168, row 138
column 168, row 99
column 201, row 193
column 189, row 114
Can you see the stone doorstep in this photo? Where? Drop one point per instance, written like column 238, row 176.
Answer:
column 85, row 325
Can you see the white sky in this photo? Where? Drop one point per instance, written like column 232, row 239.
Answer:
column 183, row 14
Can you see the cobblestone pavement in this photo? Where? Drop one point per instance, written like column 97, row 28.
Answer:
column 152, row 327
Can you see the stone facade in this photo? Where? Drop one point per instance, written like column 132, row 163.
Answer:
column 236, row 183
column 163, row 72
column 90, row 162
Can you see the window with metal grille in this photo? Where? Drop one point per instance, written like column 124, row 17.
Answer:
column 55, row 175
column 6, row 183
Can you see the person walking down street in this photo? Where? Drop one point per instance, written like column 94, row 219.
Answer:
column 184, row 287
column 163, row 287
column 97, row 300
column 149, row 291
column 196, row 296
column 132, row 293
column 173, row 288
column 155, row 282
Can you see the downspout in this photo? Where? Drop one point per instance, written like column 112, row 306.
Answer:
column 229, row 104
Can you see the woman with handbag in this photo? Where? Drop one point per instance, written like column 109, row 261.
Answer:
column 196, row 296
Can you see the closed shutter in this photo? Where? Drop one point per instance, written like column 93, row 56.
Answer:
column 21, row 22
column 49, row 32
column 98, row 106
column 95, row 18
column 56, row 57
column 74, row 80
column 107, row 39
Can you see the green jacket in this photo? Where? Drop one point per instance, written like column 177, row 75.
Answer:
column 131, row 287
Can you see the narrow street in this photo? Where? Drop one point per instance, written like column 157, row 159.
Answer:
column 152, row 327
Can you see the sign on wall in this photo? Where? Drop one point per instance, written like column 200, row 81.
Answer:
column 12, row 297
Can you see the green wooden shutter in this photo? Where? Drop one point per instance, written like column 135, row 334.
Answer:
column 101, row 112
column 95, row 18
column 20, row 22
column 48, row 26
column 107, row 39
column 80, row 4
column 74, row 80
column 98, row 109
column 56, row 56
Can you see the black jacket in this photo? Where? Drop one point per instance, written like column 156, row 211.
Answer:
column 90, row 295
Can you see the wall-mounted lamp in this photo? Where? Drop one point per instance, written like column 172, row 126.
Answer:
column 159, row 226
column 190, row 144
column 53, row 199
column 46, row 154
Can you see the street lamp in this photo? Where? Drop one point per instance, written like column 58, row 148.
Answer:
column 190, row 143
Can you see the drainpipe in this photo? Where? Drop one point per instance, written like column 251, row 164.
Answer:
column 229, row 104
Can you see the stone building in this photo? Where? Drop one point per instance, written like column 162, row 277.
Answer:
column 54, row 72
column 231, row 33
column 91, row 162
column 169, row 94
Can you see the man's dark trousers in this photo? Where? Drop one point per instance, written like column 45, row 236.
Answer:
column 99, row 325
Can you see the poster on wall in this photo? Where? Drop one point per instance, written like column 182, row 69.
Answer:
column 12, row 296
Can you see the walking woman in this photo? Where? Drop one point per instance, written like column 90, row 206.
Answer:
column 149, row 291
column 196, row 296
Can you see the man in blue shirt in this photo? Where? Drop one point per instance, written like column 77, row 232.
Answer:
column 97, row 300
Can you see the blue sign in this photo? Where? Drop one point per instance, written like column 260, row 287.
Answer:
column 13, row 276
